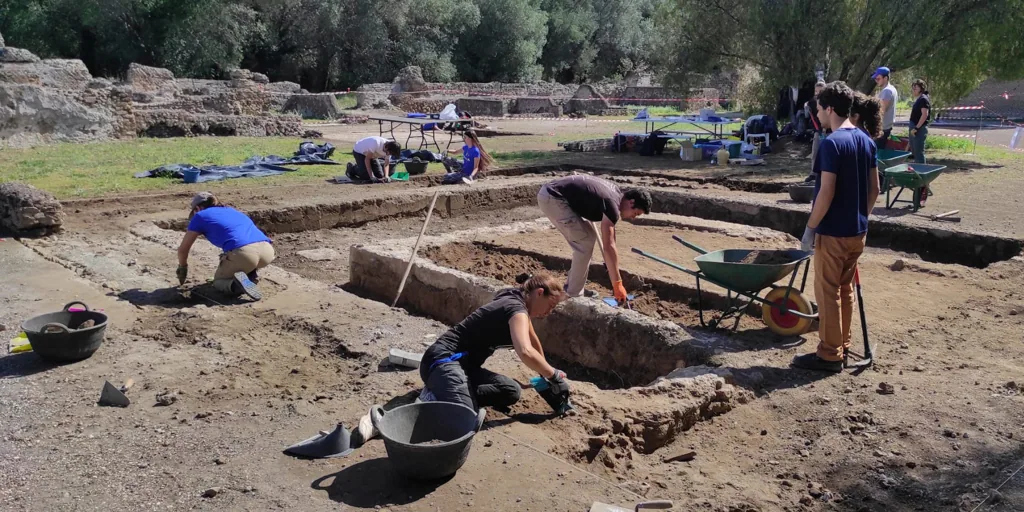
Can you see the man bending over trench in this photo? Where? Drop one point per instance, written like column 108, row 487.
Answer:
column 572, row 204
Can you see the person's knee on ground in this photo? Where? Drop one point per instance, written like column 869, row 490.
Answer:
column 498, row 391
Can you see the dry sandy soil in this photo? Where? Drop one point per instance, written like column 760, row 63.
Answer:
column 252, row 378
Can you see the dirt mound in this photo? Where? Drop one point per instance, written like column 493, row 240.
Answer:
column 766, row 258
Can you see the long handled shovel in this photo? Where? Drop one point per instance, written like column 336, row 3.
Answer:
column 868, row 356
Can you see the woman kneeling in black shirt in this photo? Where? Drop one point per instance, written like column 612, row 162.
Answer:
column 452, row 368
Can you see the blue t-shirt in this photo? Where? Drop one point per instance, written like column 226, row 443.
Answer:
column 469, row 156
column 226, row 227
column 849, row 153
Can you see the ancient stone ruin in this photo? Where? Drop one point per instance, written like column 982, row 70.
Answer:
column 411, row 93
column 28, row 211
column 58, row 100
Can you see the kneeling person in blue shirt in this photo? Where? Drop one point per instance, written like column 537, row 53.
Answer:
column 245, row 248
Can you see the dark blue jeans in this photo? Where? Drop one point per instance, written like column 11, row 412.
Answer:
column 917, row 144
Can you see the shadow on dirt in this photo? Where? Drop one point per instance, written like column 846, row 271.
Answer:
column 176, row 298
column 967, row 481
column 373, row 483
column 23, row 365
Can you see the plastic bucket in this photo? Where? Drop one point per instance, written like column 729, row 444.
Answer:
column 427, row 440
column 190, row 176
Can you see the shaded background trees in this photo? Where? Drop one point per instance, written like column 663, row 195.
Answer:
column 953, row 43
column 334, row 44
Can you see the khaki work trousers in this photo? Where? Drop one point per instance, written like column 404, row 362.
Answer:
column 580, row 234
column 835, row 261
column 246, row 258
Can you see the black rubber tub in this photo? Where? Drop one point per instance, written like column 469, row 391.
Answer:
column 415, row 168
column 56, row 336
column 801, row 192
column 428, row 440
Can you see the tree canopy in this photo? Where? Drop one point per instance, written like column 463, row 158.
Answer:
column 953, row 43
column 333, row 44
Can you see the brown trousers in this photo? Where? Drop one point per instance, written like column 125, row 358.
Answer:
column 244, row 259
column 835, row 261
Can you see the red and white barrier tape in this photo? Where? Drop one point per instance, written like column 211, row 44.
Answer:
column 975, row 107
column 952, row 135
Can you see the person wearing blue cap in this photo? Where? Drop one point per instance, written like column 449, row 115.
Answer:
column 888, row 96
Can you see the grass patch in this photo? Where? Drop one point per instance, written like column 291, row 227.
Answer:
column 948, row 144
column 346, row 101
column 86, row 170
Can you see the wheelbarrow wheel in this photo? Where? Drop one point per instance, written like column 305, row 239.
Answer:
column 786, row 324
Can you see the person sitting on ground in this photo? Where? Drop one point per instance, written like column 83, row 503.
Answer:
column 245, row 248
column 373, row 157
column 475, row 159
column 572, row 204
column 452, row 368
column 845, row 193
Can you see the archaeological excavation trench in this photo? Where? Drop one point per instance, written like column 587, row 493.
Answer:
column 613, row 348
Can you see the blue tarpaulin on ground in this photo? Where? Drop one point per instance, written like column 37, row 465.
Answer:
column 255, row 167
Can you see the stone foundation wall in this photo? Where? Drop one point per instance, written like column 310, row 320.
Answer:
column 313, row 106
column 492, row 107
column 57, row 100
column 589, row 145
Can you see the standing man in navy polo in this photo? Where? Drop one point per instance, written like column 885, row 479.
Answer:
column 846, row 188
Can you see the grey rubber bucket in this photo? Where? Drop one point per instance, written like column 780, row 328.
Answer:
column 404, row 428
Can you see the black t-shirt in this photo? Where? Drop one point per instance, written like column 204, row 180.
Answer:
column 922, row 101
column 483, row 331
column 590, row 197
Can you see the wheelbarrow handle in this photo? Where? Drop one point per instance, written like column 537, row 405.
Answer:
column 695, row 247
column 676, row 266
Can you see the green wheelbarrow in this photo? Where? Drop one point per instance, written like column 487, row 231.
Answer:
column 784, row 309
column 886, row 158
column 916, row 177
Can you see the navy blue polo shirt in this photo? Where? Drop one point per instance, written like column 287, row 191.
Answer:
column 849, row 153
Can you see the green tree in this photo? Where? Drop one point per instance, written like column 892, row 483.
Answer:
column 623, row 36
column 956, row 42
column 570, row 51
column 507, row 44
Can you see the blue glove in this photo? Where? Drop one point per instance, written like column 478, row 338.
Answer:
column 807, row 241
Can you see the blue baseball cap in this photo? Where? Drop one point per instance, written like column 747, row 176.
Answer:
column 882, row 71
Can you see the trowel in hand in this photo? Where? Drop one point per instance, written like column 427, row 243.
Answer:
column 646, row 505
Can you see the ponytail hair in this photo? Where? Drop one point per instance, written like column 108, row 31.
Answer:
column 921, row 84
column 541, row 280
column 869, row 114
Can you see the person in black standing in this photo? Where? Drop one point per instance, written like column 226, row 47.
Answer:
column 819, row 133
column 920, row 115
column 452, row 368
